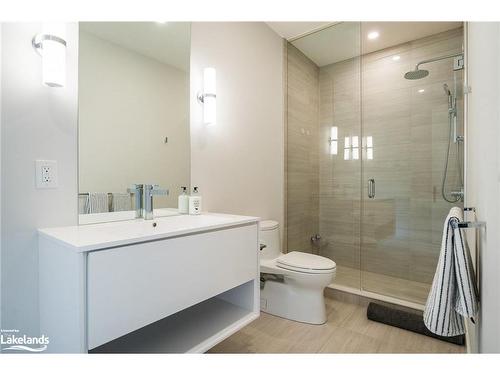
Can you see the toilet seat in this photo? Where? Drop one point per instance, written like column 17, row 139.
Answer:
column 305, row 263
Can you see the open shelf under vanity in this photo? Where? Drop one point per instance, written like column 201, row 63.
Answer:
column 192, row 330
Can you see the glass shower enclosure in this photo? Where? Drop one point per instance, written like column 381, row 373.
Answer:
column 374, row 156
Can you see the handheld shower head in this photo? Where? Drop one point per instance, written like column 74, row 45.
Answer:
column 416, row 74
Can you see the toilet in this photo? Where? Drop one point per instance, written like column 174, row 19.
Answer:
column 293, row 283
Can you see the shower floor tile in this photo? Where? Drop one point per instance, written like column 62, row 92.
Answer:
column 346, row 331
column 407, row 290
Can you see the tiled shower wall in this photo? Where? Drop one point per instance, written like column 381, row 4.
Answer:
column 302, row 164
column 398, row 233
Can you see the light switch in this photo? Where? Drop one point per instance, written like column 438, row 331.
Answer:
column 46, row 174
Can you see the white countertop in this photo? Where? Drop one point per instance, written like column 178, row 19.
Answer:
column 82, row 238
column 107, row 217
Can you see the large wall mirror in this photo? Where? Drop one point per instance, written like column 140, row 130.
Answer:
column 133, row 115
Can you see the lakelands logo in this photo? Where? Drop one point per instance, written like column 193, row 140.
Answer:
column 12, row 340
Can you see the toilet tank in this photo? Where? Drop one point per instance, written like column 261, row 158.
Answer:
column 269, row 235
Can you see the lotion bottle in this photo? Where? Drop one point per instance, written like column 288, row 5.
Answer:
column 183, row 201
column 195, row 202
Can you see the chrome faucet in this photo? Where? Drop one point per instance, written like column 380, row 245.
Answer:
column 138, row 191
column 148, row 192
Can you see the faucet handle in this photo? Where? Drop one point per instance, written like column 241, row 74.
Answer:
column 135, row 188
column 156, row 190
column 149, row 191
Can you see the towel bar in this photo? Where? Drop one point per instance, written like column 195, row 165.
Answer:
column 469, row 224
column 87, row 194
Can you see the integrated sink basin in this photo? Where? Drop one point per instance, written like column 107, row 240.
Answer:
column 96, row 236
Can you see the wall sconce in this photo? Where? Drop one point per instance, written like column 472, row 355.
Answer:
column 333, row 140
column 208, row 97
column 51, row 46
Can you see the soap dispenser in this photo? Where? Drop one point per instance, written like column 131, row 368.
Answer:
column 183, row 201
column 195, row 202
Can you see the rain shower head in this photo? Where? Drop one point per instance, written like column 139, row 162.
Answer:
column 422, row 73
column 416, row 74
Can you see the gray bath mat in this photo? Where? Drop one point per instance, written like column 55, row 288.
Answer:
column 406, row 320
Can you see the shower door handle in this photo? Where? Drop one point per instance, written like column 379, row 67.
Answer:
column 371, row 188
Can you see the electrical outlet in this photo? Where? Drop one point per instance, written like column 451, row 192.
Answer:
column 46, row 174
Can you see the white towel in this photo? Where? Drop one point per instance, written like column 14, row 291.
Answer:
column 98, row 202
column 83, row 203
column 121, row 202
column 453, row 293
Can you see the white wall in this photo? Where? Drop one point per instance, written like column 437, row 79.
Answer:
column 238, row 163
column 128, row 104
column 38, row 122
column 0, row 174
column 483, row 170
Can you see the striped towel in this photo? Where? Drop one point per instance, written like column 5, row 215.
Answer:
column 121, row 202
column 453, row 293
column 98, row 202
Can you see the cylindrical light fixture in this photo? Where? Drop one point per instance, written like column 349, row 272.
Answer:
column 333, row 140
column 209, row 96
column 51, row 46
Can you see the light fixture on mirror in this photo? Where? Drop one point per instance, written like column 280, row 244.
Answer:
column 333, row 140
column 51, row 46
column 369, row 147
column 355, row 147
column 347, row 148
column 351, row 148
column 208, row 97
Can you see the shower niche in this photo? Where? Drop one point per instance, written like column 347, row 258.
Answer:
column 374, row 151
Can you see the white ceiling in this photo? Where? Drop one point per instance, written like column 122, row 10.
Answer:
column 336, row 43
column 394, row 33
column 345, row 40
column 290, row 30
column 167, row 42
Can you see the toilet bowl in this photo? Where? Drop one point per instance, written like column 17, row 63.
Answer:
column 293, row 283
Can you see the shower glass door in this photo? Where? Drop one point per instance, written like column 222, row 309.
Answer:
column 405, row 137
column 366, row 151
column 323, row 147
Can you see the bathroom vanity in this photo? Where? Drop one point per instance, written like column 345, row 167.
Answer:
column 170, row 285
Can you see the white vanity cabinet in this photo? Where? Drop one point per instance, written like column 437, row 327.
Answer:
column 180, row 285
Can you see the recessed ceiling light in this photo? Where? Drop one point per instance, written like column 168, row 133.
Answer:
column 373, row 35
column 421, row 90
column 396, row 57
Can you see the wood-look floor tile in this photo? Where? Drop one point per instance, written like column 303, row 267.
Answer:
column 346, row 331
